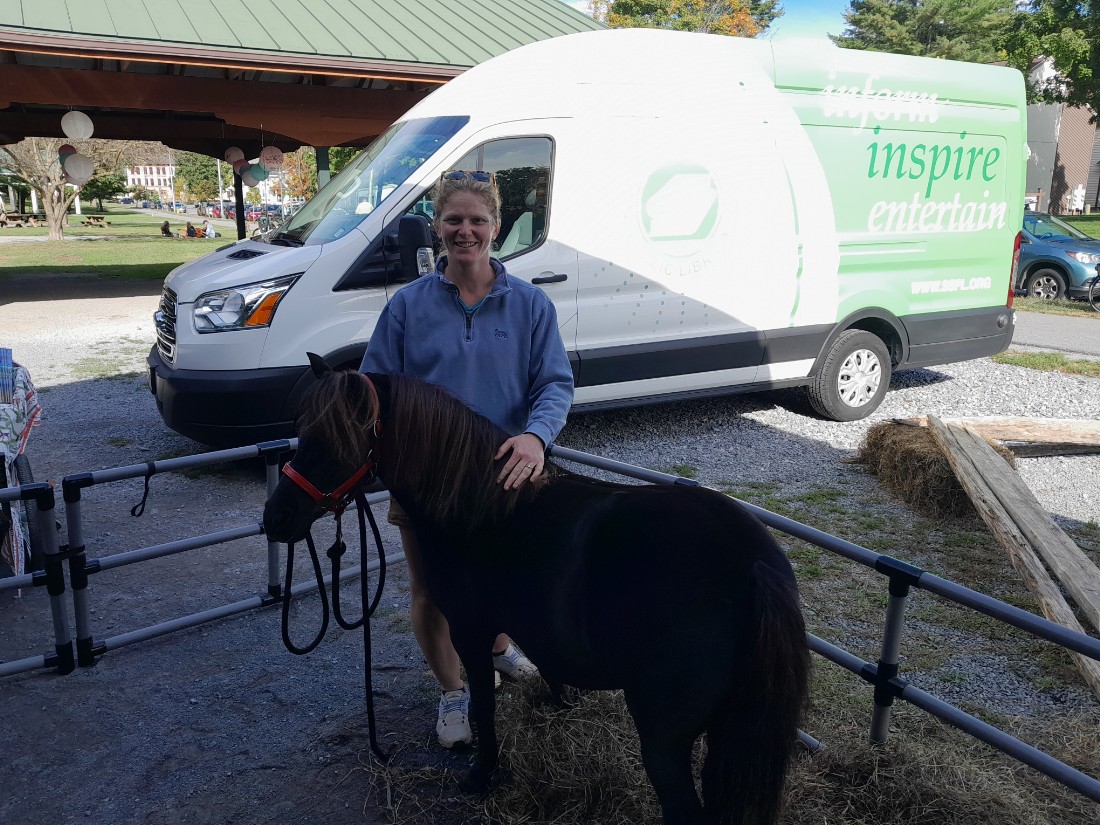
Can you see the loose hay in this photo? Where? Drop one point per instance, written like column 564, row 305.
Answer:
column 581, row 766
column 909, row 463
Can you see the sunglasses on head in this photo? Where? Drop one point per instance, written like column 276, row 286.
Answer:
column 460, row 174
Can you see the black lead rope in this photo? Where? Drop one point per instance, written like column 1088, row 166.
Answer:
column 335, row 552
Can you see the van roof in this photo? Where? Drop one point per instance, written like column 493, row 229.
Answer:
column 617, row 70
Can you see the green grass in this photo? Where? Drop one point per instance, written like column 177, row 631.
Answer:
column 130, row 248
column 1049, row 362
column 1063, row 306
column 683, row 470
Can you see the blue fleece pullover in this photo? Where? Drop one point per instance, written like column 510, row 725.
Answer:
column 504, row 358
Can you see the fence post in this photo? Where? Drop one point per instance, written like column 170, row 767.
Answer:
column 272, row 452
column 901, row 575
column 55, row 574
column 78, row 570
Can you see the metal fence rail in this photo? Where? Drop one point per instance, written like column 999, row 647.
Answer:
column 882, row 675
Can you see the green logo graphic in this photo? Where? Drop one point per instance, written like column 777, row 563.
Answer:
column 680, row 203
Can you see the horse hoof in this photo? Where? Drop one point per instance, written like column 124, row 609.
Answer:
column 479, row 781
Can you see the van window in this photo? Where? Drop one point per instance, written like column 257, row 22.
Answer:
column 522, row 168
column 369, row 179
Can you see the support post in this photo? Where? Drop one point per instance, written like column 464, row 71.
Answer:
column 238, row 201
column 322, row 166
column 888, row 660
column 55, row 577
column 274, row 581
column 78, row 573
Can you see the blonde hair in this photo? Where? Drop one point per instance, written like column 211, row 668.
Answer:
column 485, row 189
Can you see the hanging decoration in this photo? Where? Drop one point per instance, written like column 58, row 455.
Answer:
column 258, row 171
column 77, row 126
column 65, row 149
column 78, row 168
column 246, row 177
column 271, row 157
column 233, row 154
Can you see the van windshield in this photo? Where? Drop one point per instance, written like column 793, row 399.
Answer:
column 369, row 179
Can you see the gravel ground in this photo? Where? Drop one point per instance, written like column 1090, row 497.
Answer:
column 220, row 724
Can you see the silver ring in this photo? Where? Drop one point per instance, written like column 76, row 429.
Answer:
column 530, row 466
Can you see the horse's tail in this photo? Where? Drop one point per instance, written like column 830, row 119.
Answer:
column 749, row 746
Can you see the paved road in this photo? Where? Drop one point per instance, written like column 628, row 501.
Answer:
column 1075, row 336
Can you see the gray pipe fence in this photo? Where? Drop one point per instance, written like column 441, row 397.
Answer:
column 882, row 675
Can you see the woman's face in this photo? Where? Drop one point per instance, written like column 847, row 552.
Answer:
column 467, row 228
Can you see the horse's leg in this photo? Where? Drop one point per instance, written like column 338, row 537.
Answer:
column 666, row 756
column 478, row 661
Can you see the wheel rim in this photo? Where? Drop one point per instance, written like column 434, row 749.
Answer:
column 1045, row 288
column 859, row 378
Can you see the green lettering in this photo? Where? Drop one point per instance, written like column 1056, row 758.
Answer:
column 916, row 162
column 933, row 175
column 891, row 152
column 991, row 158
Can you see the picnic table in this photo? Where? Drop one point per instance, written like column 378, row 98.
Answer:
column 95, row 220
column 16, row 219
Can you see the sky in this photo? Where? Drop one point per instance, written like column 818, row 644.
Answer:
column 802, row 18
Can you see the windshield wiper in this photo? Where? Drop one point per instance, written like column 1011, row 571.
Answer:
column 286, row 239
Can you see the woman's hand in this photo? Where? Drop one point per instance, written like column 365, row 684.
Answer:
column 525, row 462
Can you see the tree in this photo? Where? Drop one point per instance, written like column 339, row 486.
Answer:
column 300, row 173
column 340, row 156
column 198, row 175
column 35, row 160
column 970, row 30
column 105, row 185
column 738, row 18
column 1069, row 34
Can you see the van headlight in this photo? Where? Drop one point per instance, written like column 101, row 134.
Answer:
column 242, row 307
column 1086, row 257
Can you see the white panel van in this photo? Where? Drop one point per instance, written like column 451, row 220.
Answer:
column 709, row 215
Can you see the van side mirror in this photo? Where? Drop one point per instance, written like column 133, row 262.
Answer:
column 395, row 257
column 414, row 242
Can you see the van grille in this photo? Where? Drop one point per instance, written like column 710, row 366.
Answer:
column 165, row 320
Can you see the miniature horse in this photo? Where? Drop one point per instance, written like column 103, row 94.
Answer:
column 675, row 594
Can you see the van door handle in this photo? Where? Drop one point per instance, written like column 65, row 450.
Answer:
column 550, row 279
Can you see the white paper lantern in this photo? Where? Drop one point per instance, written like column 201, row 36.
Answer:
column 79, row 166
column 271, row 157
column 77, row 126
column 247, row 179
column 234, row 153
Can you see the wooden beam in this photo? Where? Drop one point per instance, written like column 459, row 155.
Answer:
column 976, row 465
column 313, row 115
column 1029, row 437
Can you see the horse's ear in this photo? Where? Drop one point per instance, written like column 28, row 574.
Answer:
column 319, row 365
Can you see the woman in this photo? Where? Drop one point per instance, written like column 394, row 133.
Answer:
column 493, row 341
column 165, row 230
column 190, row 230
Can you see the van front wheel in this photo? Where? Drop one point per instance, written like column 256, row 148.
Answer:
column 854, row 378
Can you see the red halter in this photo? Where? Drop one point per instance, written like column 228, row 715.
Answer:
column 338, row 500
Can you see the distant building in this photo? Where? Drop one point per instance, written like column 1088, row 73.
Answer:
column 1064, row 151
column 158, row 178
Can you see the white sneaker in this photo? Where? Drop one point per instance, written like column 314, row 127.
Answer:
column 513, row 664
column 453, row 726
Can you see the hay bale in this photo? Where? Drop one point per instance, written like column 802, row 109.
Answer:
column 909, row 463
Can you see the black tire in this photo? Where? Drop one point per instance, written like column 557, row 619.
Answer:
column 853, row 379
column 1094, row 293
column 23, row 476
column 1047, row 284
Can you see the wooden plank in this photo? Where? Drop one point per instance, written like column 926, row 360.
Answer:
column 1020, row 552
column 1064, row 558
column 1031, row 430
